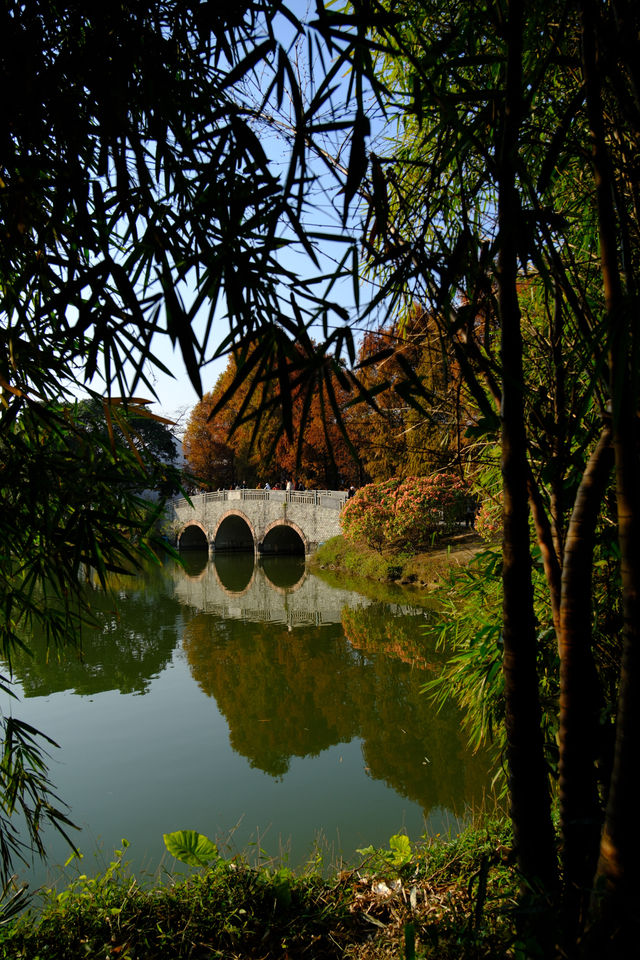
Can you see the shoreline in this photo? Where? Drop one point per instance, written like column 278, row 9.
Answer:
column 410, row 900
column 421, row 571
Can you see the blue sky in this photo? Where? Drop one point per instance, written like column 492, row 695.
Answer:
column 176, row 396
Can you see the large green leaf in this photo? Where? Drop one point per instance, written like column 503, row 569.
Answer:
column 190, row 847
column 401, row 850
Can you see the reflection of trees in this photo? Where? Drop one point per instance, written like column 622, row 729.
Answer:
column 374, row 630
column 283, row 693
column 134, row 640
column 418, row 750
column 294, row 693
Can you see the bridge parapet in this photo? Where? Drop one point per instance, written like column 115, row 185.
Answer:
column 332, row 499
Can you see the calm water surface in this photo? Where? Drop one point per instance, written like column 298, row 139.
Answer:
column 256, row 704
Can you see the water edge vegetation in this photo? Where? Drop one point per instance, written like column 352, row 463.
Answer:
column 450, row 897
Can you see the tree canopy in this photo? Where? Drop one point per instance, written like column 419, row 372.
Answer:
column 335, row 443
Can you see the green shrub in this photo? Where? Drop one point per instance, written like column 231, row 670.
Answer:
column 405, row 513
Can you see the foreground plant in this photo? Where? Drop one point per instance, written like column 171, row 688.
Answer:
column 440, row 899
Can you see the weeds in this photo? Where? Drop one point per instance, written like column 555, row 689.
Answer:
column 442, row 898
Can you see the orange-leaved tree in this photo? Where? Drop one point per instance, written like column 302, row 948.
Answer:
column 215, row 458
column 420, row 418
column 223, row 446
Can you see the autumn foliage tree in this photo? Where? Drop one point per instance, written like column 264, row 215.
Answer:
column 223, row 446
column 207, row 445
column 405, row 513
column 421, row 414
column 415, row 426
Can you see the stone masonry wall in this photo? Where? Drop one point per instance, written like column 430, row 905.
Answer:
column 314, row 515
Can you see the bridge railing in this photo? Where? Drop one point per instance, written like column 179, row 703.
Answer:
column 333, row 499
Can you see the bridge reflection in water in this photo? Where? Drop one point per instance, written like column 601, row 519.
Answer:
column 296, row 712
column 270, row 589
column 302, row 669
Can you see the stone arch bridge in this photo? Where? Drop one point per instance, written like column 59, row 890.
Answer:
column 265, row 521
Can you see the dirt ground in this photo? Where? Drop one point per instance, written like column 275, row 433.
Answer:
column 426, row 569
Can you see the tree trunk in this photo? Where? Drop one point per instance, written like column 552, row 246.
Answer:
column 615, row 914
column 550, row 560
column 558, row 457
column 528, row 780
column 580, row 695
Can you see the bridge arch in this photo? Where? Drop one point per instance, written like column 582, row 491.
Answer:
column 193, row 536
column 281, row 580
column 283, row 536
column 234, row 531
column 234, row 575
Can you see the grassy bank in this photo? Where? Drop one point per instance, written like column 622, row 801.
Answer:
column 417, row 570
column 445, row 898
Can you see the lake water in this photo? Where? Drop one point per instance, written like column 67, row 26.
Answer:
column 255, row 703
